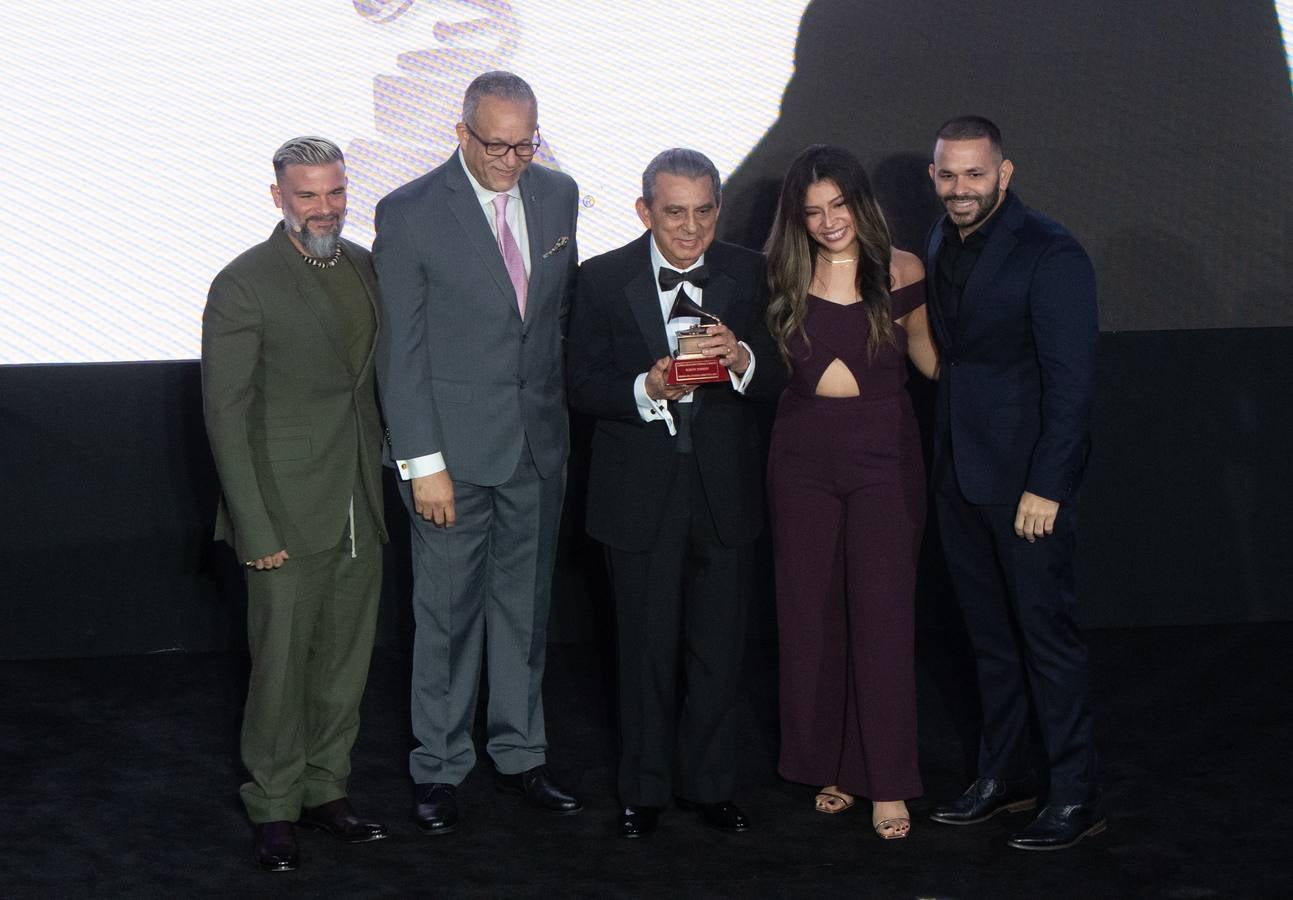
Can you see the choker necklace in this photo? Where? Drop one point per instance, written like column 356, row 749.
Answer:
column 836, row 262
column 324, row 263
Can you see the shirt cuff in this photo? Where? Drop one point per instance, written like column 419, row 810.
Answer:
column 740, row 383
column 430, row 464
column 651, row 410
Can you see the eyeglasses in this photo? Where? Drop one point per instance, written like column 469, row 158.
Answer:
column 523, row 150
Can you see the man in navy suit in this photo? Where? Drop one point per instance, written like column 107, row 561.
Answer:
column 1014, row 315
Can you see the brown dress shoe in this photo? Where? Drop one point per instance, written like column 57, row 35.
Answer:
column 276, row 847
column 339, row 820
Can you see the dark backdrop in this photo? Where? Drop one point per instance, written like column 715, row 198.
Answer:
column 1157, row 132
column 109, row 491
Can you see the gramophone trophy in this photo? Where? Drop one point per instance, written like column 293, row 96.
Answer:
column 690, row 365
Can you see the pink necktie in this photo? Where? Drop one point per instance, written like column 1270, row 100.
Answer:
column 511, row 253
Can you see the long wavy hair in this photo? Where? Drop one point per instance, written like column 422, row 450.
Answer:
column 790, row 250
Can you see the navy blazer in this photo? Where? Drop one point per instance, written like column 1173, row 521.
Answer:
column 1018, row 372
column 616, row 333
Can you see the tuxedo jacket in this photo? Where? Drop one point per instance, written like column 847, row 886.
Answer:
column 459, row 371
column 293, row 428
column 617, row 332
column 1018, row 370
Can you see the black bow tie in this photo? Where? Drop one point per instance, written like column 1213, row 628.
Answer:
column 671, row 278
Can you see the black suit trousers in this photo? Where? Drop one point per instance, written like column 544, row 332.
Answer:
column 680, row 613
column 1017, row 599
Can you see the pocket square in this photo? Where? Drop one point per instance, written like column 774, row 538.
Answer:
column 559, row 245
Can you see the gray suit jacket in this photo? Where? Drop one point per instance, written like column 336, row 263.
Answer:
column 458, row 370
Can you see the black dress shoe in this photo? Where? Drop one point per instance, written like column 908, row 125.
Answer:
column 276, row 847
column 539, row 790
column 725, row 816
column 639, row 821
column 339, row 820
column 435, row 808
column 981, row 801
column 1058, row 827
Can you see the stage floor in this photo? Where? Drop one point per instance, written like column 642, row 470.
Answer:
column 121, row 777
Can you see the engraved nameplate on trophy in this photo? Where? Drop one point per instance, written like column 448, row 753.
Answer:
column 690, row 365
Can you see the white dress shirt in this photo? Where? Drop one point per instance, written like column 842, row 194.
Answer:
column 658, row 410
column 515, row 215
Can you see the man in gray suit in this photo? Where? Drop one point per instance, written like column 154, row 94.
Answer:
column 476, row 261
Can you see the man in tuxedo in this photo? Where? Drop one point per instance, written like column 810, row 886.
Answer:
column 288, row 339
column 675, row 485
column 1014, row 316
column 476, row 261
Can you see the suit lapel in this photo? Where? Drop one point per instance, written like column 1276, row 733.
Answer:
column 466, row 208
column 719, row 291
column 644, row 301
column 370, row 288
column 313, row 299
column 717, row 300
column 1000, row 244
column 534, row 231
column 932, row 248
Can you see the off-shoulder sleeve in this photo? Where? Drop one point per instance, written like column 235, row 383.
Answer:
column 907, row 298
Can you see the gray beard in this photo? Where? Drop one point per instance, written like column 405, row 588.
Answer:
column 320, row 246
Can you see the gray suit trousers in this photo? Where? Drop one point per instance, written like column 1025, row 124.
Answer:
column 483, row 587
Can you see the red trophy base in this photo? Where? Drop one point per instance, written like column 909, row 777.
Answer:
column 696, row 370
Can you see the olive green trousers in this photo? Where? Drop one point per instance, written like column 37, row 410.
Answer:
column 310, row 627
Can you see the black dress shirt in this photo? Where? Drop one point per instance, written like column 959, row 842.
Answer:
column 956, row 261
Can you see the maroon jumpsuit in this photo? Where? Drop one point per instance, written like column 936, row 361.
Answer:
column 847, row 493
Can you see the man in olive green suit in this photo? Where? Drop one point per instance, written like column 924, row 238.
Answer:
column 288, row 337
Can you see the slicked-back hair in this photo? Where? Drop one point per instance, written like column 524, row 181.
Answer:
column 683, row 162
column 306, row 150
column 791, row 250
column 500, row 84
column 971, row 128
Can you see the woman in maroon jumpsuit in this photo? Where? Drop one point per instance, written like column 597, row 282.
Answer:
column 847, row 489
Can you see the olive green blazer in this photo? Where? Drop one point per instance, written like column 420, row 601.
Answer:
column 290, row 423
